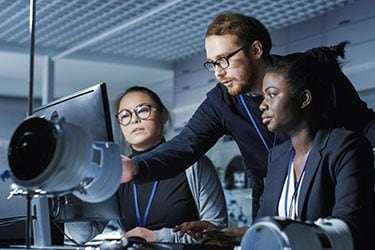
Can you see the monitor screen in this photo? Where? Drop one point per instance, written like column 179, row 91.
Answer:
column 89, row 109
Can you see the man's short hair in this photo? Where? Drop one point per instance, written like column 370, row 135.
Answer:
column 248, row 29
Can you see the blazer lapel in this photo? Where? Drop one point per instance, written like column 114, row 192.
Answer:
column 274, row 181
column 312, row 165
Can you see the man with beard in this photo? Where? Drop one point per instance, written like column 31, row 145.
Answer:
column 237, row 49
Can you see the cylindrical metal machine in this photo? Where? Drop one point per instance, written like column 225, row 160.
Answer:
column 60, row 158
column 283, row 234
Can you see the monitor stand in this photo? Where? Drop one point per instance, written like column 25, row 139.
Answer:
column 41, row 226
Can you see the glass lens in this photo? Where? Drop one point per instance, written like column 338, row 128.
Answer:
column 210, row 66
column 124, row 117
column 222, row 62
column 143, row 112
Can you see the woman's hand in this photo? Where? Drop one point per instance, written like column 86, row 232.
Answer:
column 142, row 232
column 228, row 237
column 129, row 169
column 194, row 228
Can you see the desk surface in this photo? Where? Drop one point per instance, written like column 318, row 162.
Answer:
column 148, row 246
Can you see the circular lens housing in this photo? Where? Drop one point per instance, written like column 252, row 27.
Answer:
column 59, row 157
column 31, row 148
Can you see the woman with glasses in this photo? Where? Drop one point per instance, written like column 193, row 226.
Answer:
column 151, row 210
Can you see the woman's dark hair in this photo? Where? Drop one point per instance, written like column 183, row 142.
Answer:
column 304, row 72
column 350, row 110
column 159, row 104
column 312, row 69
column 125, row 147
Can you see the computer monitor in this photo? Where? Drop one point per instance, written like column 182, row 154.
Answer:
column 89, row 109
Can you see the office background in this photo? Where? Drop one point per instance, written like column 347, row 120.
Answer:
column 159, row 44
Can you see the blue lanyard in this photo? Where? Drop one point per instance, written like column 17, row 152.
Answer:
column 142, row 223
column 294, row 196
column 256, row 126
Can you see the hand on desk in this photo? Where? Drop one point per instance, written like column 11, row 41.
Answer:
column 208, row 234
column 227, row 237
column 195, row 229
column 142, row 232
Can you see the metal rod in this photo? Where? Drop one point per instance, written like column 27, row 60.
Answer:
column 28, row 222
column 31, row 86
column 32, row 45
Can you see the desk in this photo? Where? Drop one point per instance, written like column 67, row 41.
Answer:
column 149, row 246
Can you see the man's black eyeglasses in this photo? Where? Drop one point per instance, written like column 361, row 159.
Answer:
column 142, row 111
column 222, row 62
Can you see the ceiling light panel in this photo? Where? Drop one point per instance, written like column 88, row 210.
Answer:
column 148, row 30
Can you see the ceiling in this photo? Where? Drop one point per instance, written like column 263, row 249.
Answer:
column 153, row 33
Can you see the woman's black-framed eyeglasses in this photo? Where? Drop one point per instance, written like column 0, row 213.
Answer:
column 222, row 62
column 142, row 111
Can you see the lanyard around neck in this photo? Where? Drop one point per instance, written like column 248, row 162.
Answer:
column 296, row 187
column 142, row 223
column 256, row 126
